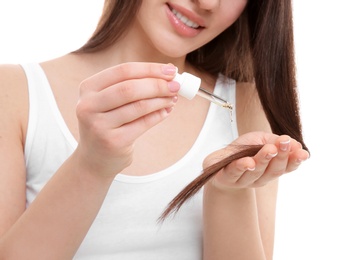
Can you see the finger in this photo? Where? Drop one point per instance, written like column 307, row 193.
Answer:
column 134, row 90
column 262, row 160
column 287, row 160
column 233, row 172
column 296, row 158
column 133, row 111
column 127, row 71
column 279, row 163
column 128, row 133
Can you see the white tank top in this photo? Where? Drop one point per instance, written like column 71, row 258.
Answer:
column 126, row 226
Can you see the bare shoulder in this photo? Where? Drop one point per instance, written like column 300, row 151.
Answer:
column 13, row 100
column 13, row 120
column 12, row 79
column 250, row 115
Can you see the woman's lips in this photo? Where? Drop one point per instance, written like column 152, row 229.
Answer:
column 183, row 21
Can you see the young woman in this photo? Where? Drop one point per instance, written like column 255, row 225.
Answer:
column 95, row 144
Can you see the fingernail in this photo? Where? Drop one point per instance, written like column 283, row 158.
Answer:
column 168, row 69
column 270, row 156
column 284, row 145
column 251, row 169
column 299, row 161
column 174, row 99
column 168, row 109
column 173, row 86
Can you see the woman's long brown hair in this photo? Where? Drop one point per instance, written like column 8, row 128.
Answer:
column 258, row 47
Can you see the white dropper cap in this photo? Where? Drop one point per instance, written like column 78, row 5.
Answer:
column 189, row 85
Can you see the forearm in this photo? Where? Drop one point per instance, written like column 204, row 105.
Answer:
column 231, row 228
column 57, row 221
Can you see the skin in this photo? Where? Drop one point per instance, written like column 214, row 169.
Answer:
column 215, row 16
column 121, row 109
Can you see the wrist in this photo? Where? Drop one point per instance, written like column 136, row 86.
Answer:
column 215, row 192
column 91, row 170
column 227, row 190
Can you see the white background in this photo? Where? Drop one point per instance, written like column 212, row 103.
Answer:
column 319, row 212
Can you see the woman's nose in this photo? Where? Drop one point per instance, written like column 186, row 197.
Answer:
column 208, row 5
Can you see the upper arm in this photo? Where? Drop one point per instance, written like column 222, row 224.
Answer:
column 251, row 117
column 13, row 114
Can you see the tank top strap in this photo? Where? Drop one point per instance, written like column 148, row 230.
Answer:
column 42, row 103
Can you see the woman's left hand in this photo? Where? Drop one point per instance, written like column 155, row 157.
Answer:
column 279, row 155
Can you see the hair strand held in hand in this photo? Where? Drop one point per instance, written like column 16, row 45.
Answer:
column 192, row 188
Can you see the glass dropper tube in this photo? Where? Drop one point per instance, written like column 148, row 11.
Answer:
column 214, row 98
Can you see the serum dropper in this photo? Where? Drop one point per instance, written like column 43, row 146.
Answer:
column 190, row 87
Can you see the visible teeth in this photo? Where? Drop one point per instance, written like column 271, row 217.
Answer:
column 185, row 20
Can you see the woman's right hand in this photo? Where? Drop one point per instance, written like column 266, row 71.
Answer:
column 118, row 105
